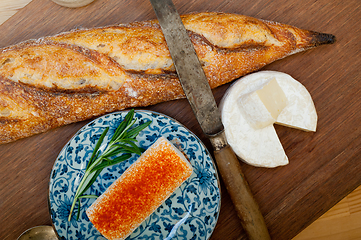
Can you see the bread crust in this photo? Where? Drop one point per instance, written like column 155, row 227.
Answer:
column 74, row 76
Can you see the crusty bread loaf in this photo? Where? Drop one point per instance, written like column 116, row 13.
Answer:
column 140, row 190
column 77, row 75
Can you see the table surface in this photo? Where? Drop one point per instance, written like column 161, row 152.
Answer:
column 23, row 194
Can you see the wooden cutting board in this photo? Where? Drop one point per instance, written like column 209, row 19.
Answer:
column 324, row 166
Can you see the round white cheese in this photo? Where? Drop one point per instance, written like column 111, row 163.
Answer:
column 257, row 143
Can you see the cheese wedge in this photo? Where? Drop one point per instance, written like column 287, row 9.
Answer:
column 263, row 106
column 140, row 190
column 253, row 104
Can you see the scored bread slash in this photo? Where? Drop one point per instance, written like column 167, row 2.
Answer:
column 140, row 190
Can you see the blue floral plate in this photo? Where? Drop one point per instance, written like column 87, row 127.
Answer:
column 191, row 212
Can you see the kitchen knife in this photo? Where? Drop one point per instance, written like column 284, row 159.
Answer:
column 200, row 97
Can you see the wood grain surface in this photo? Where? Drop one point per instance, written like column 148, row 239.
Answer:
column 9, row 7
column 324, row 166
column 341, row 222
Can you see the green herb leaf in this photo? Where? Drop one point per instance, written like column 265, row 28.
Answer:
column 111, row 163
column 97, row 146
column 122, row 142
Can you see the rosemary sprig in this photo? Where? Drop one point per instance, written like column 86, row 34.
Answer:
column 122, row 142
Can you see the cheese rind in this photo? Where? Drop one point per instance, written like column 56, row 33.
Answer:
column 300, row 112
column 259, row 148
column 140, row 190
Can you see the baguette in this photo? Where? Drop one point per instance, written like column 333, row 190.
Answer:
column 74, row 76
column 140, row 190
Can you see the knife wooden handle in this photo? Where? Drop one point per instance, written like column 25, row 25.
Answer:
column 237, row 187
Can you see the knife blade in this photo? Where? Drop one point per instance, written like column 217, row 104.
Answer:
column 199, row 94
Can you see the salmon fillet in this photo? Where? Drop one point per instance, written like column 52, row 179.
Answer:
column 74, row 76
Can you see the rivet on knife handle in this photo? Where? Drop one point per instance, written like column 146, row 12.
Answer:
column 200, row 97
